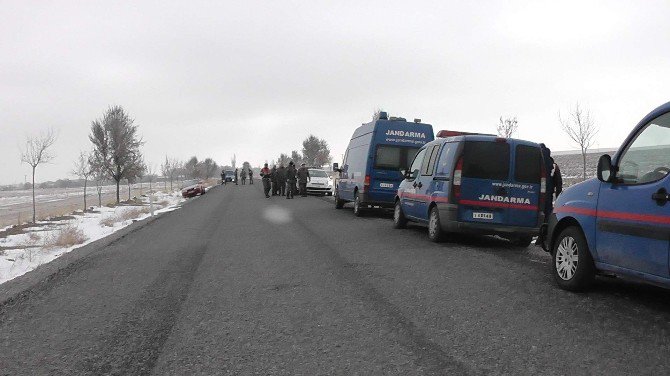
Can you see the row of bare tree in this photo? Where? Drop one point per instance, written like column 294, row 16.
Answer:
column 315, row 153
column 578, row 125
column 115, row 156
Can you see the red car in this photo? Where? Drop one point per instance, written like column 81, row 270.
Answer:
column 192, row 188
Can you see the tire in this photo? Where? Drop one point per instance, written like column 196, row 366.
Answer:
column 329, row 193
column 358, row 210
column 339, row 204
column 435, row 232
column 572, row 264
column 522, row 241
column 399, row 219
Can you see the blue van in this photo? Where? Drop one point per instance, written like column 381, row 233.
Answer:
column 474, row 183
column 618, row 223
column 378, row 151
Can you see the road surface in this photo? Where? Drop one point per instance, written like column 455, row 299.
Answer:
column 234, row 283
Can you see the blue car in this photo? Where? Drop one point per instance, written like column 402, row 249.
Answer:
column 475, row 183
column 377, row 152
column 617, row 223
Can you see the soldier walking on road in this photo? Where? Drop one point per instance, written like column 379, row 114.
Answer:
column 265, row 175
column 223, row 177
column 291, row 175
column 281, row 179
column 303, row 178
column 244, row 176
column 237, row 174
column 251, row 176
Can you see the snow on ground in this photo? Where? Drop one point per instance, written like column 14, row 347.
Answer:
column 43, row 243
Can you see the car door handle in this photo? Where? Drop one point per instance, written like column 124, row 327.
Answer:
column 414, row 185
column 419, row 185
column 661, row 197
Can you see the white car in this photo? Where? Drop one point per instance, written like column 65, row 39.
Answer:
column 320, row 182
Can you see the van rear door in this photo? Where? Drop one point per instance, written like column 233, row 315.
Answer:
column 485, row 170
column 524, row 189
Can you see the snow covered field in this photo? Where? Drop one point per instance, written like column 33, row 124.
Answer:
column 47, row 240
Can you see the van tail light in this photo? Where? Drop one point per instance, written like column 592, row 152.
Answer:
column 543, row 187
column 366, row 183
column 458, row 172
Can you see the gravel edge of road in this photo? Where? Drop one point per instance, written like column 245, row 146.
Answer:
column 21, row 285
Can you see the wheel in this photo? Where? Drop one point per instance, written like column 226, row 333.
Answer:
column 435, row 233
column 399, row 219
column 339, row 204
column 329, row 193
column 522, row 241
column 572, row 265
column 358, row 211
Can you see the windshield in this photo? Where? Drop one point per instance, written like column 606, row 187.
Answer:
column 318, row 174
column 389, row 157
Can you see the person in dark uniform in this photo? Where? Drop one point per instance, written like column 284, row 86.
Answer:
column 237, row 174
column 244, row 176
column 281, row 179
column 223, row 177
column 548, row 162
column 291, row 175
column 251, row 176
column 265, row 175
column 557, row 179
column 303, row 178
column 273, row 178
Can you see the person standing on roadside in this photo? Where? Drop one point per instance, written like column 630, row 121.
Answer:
column 281, row 179
column 548, row 162
column 223, row 177
column 273, row 176
column 291, row 175
column 251, row 176
column 557, row 179
column 303, row 178
column 237, row 174
column 265, row 175
column 244, row 176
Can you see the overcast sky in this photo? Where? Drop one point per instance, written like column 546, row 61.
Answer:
column 255, row 78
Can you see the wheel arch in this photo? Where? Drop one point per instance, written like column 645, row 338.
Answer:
column 561, row 226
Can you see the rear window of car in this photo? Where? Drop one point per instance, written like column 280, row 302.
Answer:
column 318, row 174
column 391, row 157
column 527, row 164
column 486, row 160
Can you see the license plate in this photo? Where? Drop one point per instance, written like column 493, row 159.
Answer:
column 482, row 215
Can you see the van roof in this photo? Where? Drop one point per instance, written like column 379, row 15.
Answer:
column 366, row 128
column 483, row 137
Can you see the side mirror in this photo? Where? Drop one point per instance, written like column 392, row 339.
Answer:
column 605, row 170
column 406, row 174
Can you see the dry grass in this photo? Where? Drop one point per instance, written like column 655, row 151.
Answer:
column 66, row 236
column 135, row 213
column 163, row 203
column 109, row 221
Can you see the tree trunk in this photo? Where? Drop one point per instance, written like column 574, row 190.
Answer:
column 85, row 181
column 100, row 197
column 128, row 191
column 584, row 163
column 34, row 214
column 118, row 188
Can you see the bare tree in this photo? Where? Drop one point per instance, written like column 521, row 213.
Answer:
column 315, row 151
column 150, row 175
column 83, row 169
column 170, row 169
column 377, row 112
column 37, row 152
column 209, row 167
column 581, row 129
column 116, row 145
column 507, row 127
column 99, row 178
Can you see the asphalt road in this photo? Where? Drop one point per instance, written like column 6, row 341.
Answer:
column 234, row 283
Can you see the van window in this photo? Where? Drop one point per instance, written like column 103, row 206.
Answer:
column 416, row 165
column 527, row 164
column 429, row 161
column 486, row 160
column 444, row 164
column 647, row 158
column 389, row 157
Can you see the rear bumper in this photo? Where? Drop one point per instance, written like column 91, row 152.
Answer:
column 384, row 199
column 450, row 223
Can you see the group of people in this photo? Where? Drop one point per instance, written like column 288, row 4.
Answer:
column 245, row 172
column 281, row 181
